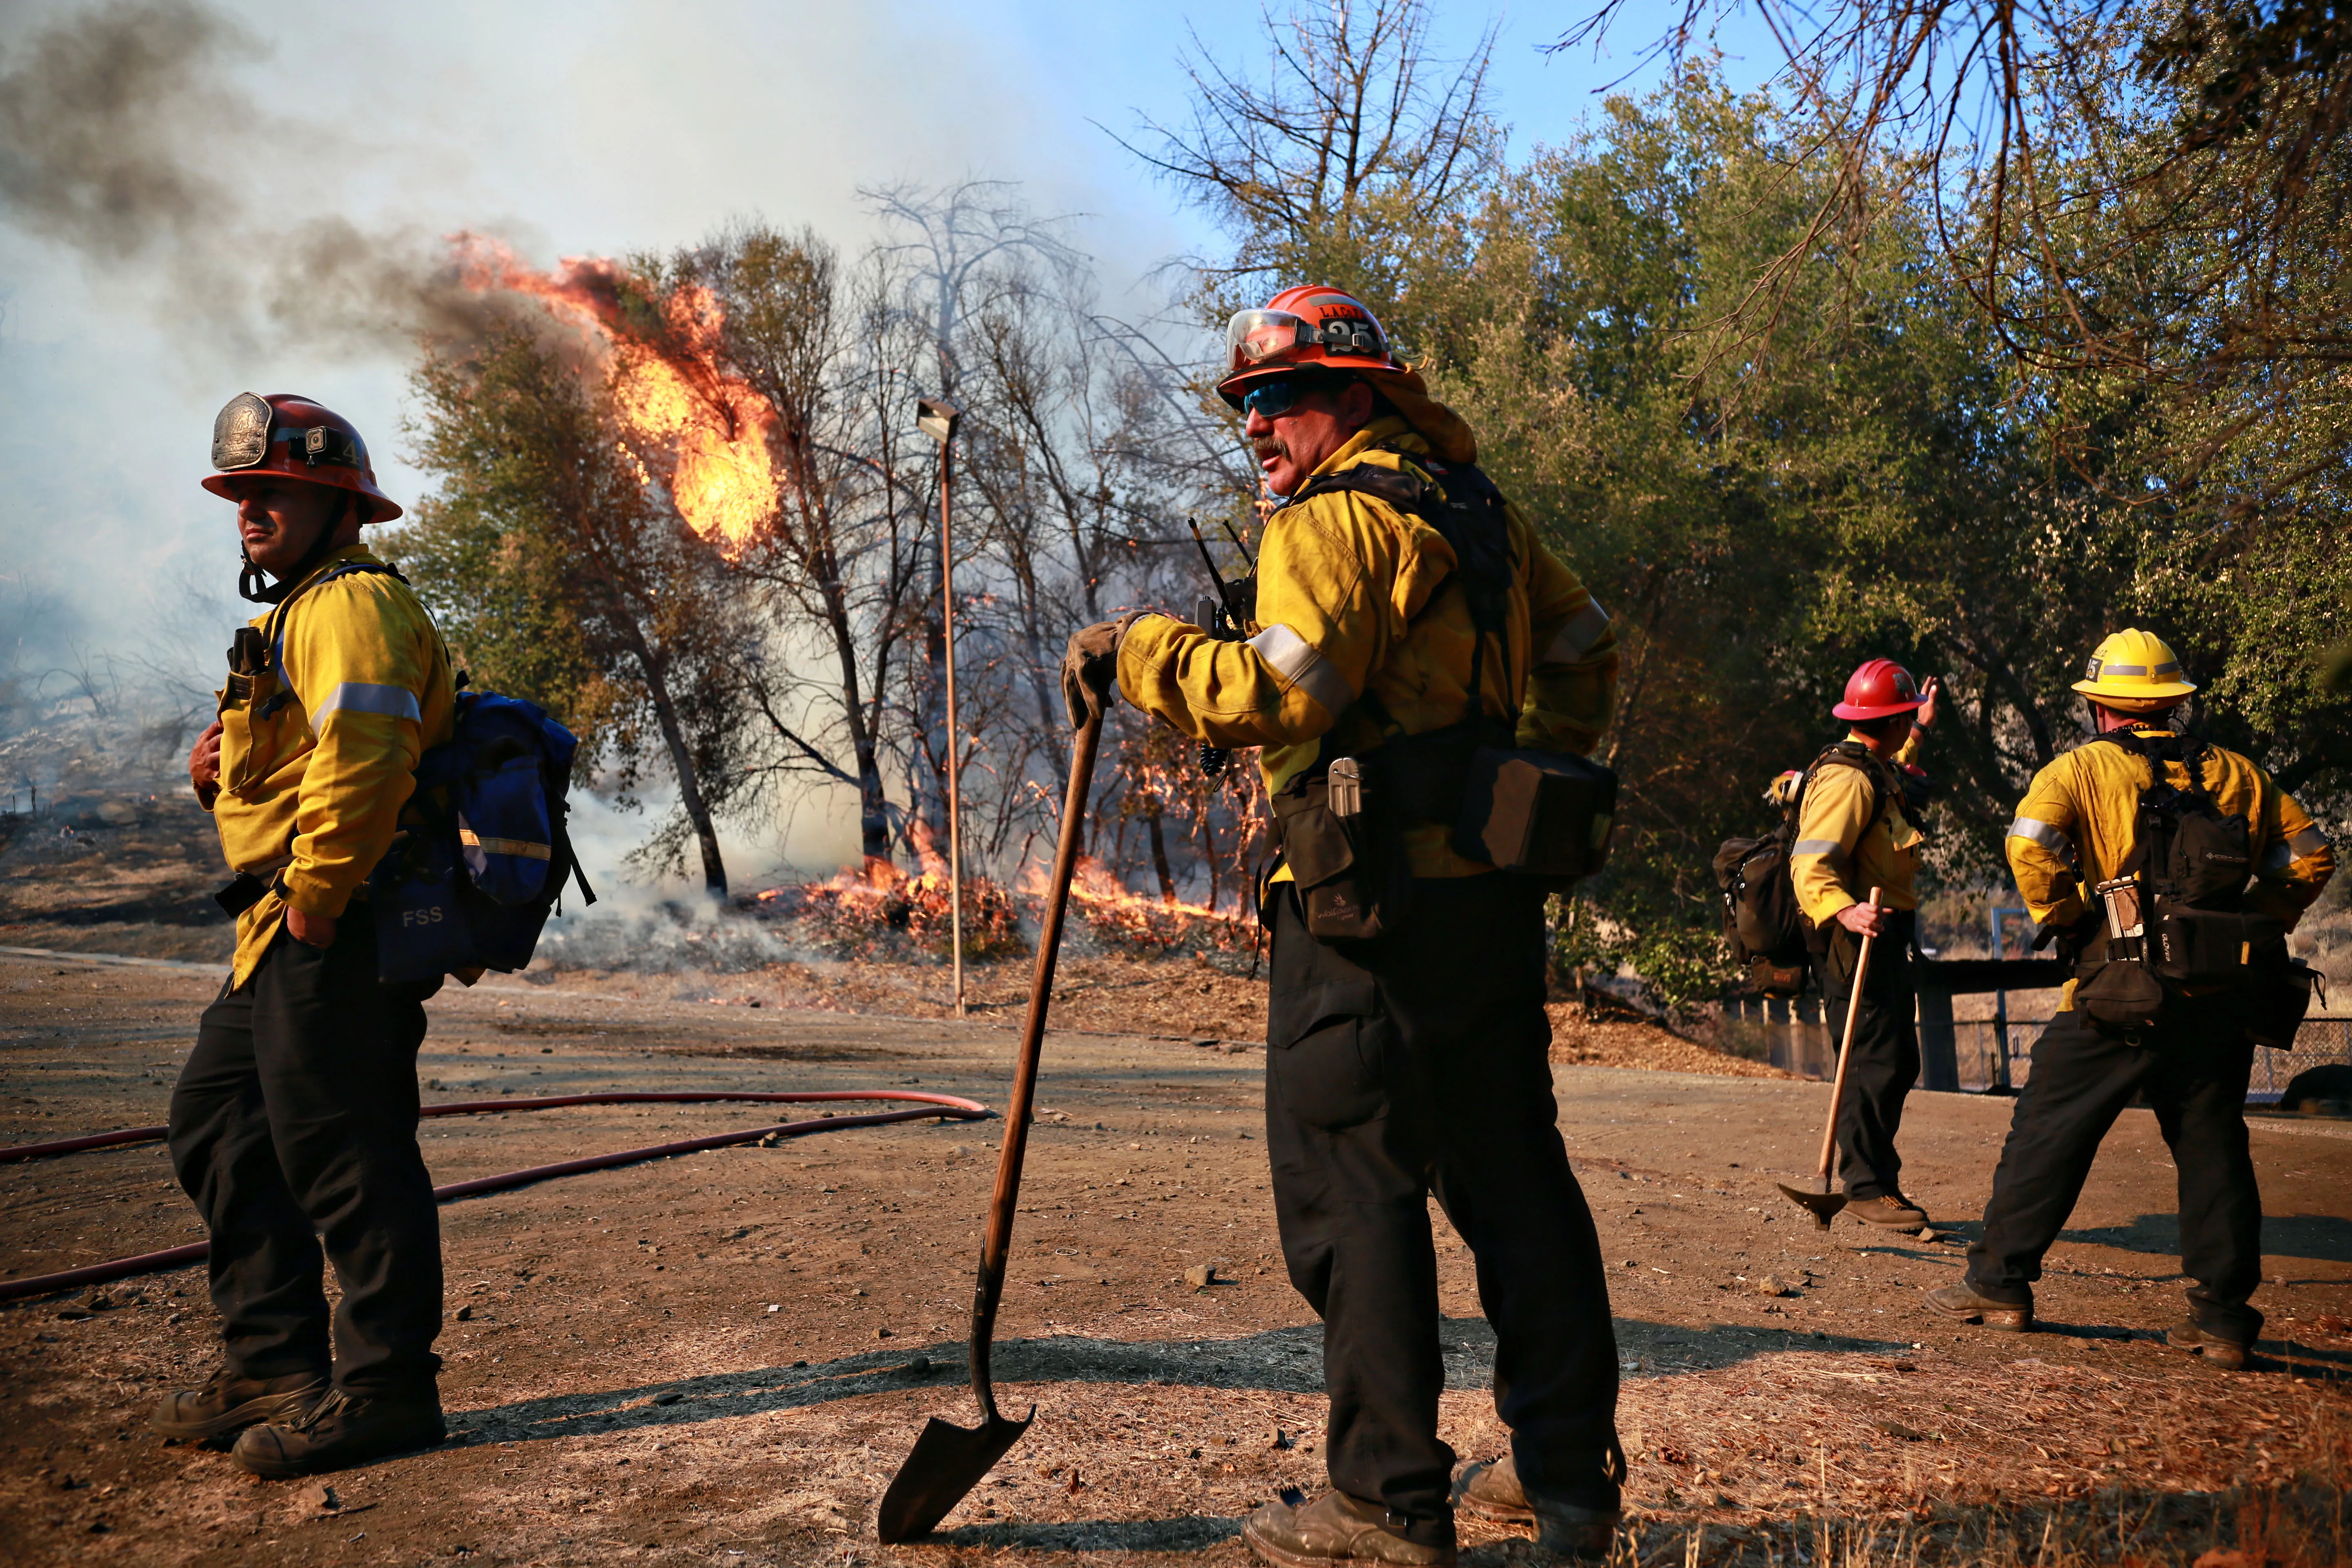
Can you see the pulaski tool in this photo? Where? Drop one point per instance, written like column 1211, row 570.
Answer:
column 1825, row 1203
column 949, row 1460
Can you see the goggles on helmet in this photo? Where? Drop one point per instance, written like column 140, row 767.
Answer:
column 1258, row 337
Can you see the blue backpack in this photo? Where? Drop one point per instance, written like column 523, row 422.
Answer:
column 469, row 887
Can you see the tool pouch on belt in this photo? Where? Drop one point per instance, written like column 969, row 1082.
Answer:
column 1340, row 842
column 2119, row 995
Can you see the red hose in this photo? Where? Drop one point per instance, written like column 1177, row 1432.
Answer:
column 940, row 1105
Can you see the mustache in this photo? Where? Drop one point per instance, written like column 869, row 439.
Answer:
column 1271, row 447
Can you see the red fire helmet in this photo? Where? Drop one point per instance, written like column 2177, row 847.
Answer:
column 1307, row 325
column 288, row 436
column 1880, row 690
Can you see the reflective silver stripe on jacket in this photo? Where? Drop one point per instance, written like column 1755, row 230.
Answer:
column 2287, row 852
column 1294, row 658
column 363, row 697
column 1816, row 846
column 2042, row 833
column 1576, row 638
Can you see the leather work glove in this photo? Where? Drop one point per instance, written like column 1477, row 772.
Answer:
column 1090, row 665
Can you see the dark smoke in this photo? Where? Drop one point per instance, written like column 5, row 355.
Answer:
column 122, row 139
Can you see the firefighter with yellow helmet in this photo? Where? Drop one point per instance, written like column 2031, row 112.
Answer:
column 2170, row 872
column 293, row 1125
column 1407, row 622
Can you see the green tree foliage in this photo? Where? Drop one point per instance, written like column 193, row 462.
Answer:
column 1776, row 446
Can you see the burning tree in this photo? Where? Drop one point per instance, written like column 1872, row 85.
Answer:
column 560, row 573
column 747, row 404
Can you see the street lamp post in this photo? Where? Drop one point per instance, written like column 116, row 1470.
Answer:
column 937, row 418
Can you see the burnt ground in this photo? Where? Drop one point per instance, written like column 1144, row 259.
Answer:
column 623, row 1390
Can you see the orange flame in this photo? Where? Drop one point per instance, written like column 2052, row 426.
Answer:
column 710, row 425
column 1123, row 915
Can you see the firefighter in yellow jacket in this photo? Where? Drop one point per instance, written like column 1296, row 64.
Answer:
column 1408, row 1045
column 2099, row 847
column 294, row 1122
column 1854, row 833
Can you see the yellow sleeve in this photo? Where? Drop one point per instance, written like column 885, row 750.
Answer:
column 357, row 653
column 2041, row 851
column 2293, row 858
column 1834, row 817
column 1324, row 580
column 1572, row 676
column 1908, row 752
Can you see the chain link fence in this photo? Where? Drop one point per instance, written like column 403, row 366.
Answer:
column 1994, row 1056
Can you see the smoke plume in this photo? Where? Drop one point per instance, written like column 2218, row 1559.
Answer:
column 124, row 138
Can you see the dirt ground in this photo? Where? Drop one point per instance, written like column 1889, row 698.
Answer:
column 722, row 1358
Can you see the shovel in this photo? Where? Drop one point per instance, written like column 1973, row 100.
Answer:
column 1825, row 1202
column 949, row 1460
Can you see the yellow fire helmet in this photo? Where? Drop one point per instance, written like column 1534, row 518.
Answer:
column 2135, row 672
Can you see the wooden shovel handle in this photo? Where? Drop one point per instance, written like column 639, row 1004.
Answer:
column 1002, row 1203
column 1846, row 1050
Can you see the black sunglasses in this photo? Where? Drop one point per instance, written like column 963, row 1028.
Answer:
column 1279, row 395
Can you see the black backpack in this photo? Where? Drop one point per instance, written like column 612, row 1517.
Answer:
column 1762, row 921
column 2174, row 916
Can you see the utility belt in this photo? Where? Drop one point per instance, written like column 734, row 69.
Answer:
column 1540, row 815
column 247, row 889
column 2147, row 952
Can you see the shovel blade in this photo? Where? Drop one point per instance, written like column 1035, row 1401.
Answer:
column 948, row 1461
column 1821, row 1205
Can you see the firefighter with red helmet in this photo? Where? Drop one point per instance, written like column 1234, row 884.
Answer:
column 1405, row 614
column 293, row 1125
column 1857, row 828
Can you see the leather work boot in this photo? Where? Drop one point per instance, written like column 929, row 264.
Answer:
column 1336, row 1528
column 2230, row 1355
column 1492, row 1491
column 341, row 1429
column 1889, row 1210
column 1961, row 1301
column 228, row 1404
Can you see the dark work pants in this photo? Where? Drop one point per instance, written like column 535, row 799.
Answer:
column 1885, row 1055
column 1419, row 1063
column 294, row 1121
column 2193, row 1068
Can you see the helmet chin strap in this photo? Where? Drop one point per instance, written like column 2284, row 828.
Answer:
column 255, row 588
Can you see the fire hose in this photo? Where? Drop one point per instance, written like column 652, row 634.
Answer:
column 947, row 1107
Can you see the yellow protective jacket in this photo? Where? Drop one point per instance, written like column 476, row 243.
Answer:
column 319, row 751
column 1347, row 602
column 2075, row 829
column 1844, row 848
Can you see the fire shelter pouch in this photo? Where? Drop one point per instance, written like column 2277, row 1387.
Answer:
column 1539, row 814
